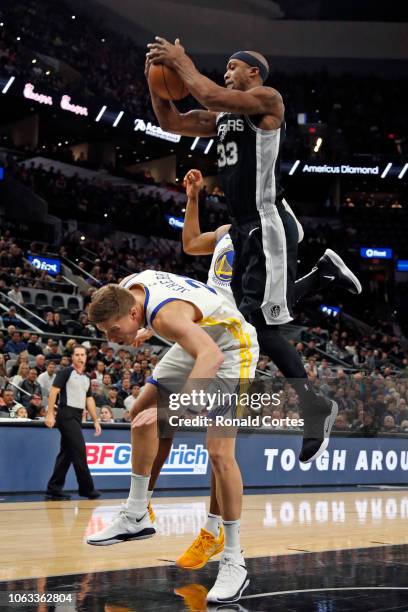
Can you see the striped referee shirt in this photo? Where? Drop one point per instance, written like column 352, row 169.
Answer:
column 74, row 388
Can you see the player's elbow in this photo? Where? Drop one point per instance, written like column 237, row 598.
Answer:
column 188, row 247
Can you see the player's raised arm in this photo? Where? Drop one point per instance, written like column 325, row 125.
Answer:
column 193, row 123
column 257, row 100
column 194, row 241
column 176, row 322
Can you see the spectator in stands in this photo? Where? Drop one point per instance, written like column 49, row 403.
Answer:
column 106, row 384
column 98, row 372
column 126, row 418
column 7, row 401
column 113, row 400
column 54, row 354
column 404, row 426
column 34, row 406
column 324, row 372
column 21, row 358
column 64, row 363
column 109, row 356
column 32, row 345
column 69, row 347
column 97, row 393
column 10, row 318
column 389, row 424
column 137, row 377
column 40, row 364
column 124, row 388
column 2, row 345
column 21, row 413
column 106, row 415
column 50, row 323
column 130, row 400
column 21, row 375
column 46, row 379
column 59, row 327
column 30, row 386
column 15, row 345
column 341, row 423
column 15, row 294
column 116, row 371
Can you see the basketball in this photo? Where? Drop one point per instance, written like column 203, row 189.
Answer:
column 166, row 83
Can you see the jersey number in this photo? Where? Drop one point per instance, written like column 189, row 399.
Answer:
column 198, row 284
column 228, row 154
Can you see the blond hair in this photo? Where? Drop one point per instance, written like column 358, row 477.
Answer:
column 110, row 302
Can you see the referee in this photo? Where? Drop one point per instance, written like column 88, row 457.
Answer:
column 74, row 389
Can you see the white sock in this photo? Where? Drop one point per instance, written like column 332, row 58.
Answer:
column 213, row 524
column 137, row 500
column 232, row 538
column 149, row 496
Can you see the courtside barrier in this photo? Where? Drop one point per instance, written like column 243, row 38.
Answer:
column 28, row 451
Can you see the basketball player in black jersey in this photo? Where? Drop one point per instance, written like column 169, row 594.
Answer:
column 248, row 119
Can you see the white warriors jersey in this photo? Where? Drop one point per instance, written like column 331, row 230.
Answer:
column 220, row 319
column 220, row 272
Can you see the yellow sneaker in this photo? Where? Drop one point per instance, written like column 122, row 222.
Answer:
column 205, row 546
column 194, row 595
column 151, row 512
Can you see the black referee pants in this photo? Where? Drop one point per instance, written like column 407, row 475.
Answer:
column 72, row 451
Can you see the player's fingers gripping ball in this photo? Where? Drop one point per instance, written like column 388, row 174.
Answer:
column 166, row 83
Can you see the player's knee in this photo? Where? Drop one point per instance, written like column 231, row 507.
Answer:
column 221, row 459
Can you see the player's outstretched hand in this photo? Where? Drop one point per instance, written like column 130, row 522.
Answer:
column 163, row 52
column 193, row 182
column 98, row 429
column 145, row 417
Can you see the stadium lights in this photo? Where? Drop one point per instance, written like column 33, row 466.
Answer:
column 318, row 144
column 193, row 146
column 18, row 38
column 47, row 73
column 8, row 84
column 83, row 238
column 99, row 115
column 293, row 168
column 73, row 17
column 208, row 147
column 118, row 118
column 386, row 170
column 401, row 174
column 34, row 61
column 1, row 24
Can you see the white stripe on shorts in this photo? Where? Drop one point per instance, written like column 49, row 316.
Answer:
column 274, row 304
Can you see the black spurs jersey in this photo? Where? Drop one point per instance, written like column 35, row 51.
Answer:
column 248, row 164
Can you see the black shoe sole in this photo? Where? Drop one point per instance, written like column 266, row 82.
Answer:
column 149, row 532
column 327, row 427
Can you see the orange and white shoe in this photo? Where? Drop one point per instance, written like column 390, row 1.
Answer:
column 151, row 512
column 205, row 546
column 194, row 595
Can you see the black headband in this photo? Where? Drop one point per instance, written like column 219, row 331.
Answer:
column 251, row 61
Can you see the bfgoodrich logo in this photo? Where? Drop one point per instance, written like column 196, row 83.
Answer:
column 115, row 459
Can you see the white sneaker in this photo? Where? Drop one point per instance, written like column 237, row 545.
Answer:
column 232, row 580
column 125, row 526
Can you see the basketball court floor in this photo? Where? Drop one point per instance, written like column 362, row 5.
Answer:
column 307, row 550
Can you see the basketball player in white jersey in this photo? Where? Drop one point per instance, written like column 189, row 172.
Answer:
column 212, row 342
column 210, row 540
